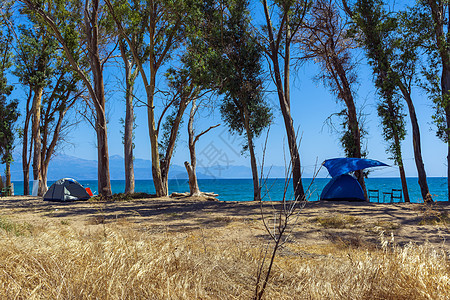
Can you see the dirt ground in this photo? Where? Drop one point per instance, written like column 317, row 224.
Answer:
column 347, row 223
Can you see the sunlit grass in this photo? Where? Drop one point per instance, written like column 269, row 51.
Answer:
column 116, row 262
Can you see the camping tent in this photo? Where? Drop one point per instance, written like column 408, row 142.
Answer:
column 66, row 189
column 343, row 187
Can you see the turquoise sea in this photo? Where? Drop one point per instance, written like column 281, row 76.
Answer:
column 242, row 189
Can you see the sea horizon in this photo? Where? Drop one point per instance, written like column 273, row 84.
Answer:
column 241, row 189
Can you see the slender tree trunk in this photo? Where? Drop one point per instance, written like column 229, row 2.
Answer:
column 36, row 133
column 285, row 107
column 8, row 173
column 400, row 167
column 91, row 24
column 128, row 141
column 422, row 176
column 172, row 140
column 191, row 168
column 156, row 168
column 445, row 82
column 25, row 153
column 129, row 121
column 251, row 148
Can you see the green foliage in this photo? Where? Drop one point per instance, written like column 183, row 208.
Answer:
column 239, row 70
column 8, row 111
column 36, row 56
column 392, row 55
column 437, row 57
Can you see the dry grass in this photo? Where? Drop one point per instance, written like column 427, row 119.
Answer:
column 118, row 262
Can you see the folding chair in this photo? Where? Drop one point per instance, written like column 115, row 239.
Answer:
column 375, row 194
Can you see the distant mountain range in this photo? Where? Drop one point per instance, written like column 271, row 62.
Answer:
column 82, row 169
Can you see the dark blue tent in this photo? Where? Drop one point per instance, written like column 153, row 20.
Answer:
column 343, row 187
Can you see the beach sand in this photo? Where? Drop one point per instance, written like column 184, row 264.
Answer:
column 349, row 224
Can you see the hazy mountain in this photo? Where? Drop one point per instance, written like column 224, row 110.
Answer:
column 82, row 169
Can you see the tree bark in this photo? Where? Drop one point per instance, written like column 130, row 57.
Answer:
column 438, row 9
column 8, row 173
column 191, row 168
column 129, row 122
column 404, row 185
column 402, row 171
column 422, row 176
column 36, row 133
column 25, row 154
column 251, row 148
column 172, row 140
column 91, row 24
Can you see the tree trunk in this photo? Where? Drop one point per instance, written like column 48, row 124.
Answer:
column 129, row 122
column 25, row 153
column 403, row 179
column 191, row 168
column 36, row 133
column 156, row 168
column 91, row 24
column 445, row 81
column 401, row 169
column 285, row 108
column 8, row 173
column 251, row 148
column 172, row 140
column 426, row 196
column 194, row 190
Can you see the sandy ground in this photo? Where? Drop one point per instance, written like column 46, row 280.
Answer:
column 347, row 223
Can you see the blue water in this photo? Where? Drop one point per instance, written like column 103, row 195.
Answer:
column 242, row 189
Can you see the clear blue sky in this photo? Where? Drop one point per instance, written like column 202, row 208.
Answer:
column 311, row 104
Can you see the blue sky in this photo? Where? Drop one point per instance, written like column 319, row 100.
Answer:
column 311, row 105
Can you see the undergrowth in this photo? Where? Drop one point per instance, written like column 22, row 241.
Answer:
column 120, row 197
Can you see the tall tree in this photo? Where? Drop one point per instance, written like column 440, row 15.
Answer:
column 240, row 72
column 324, row 39
column 392, row 50
column 165, row 23
column 283, row 20
column 8, row 111
column 431, row 18
column 78, row 28
column 63, row 94
column 131, row 73
column 34, row 67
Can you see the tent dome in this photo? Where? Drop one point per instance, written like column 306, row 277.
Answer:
column 66, row 189
column 343, row 188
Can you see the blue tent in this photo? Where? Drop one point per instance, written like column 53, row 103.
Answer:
column 339, row 166
column 344, row 186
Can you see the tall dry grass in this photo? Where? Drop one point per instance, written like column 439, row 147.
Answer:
column 119, row 263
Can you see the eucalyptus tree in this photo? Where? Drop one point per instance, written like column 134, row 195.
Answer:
column 324, row 39
column 79, row 28
column 131, row 73
column 283, row 20
column 392, row 49
column 166, row 23
column 36, row 54
column 430, row 19
column 63, row 94
column 243, row 108
column 8, row 111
